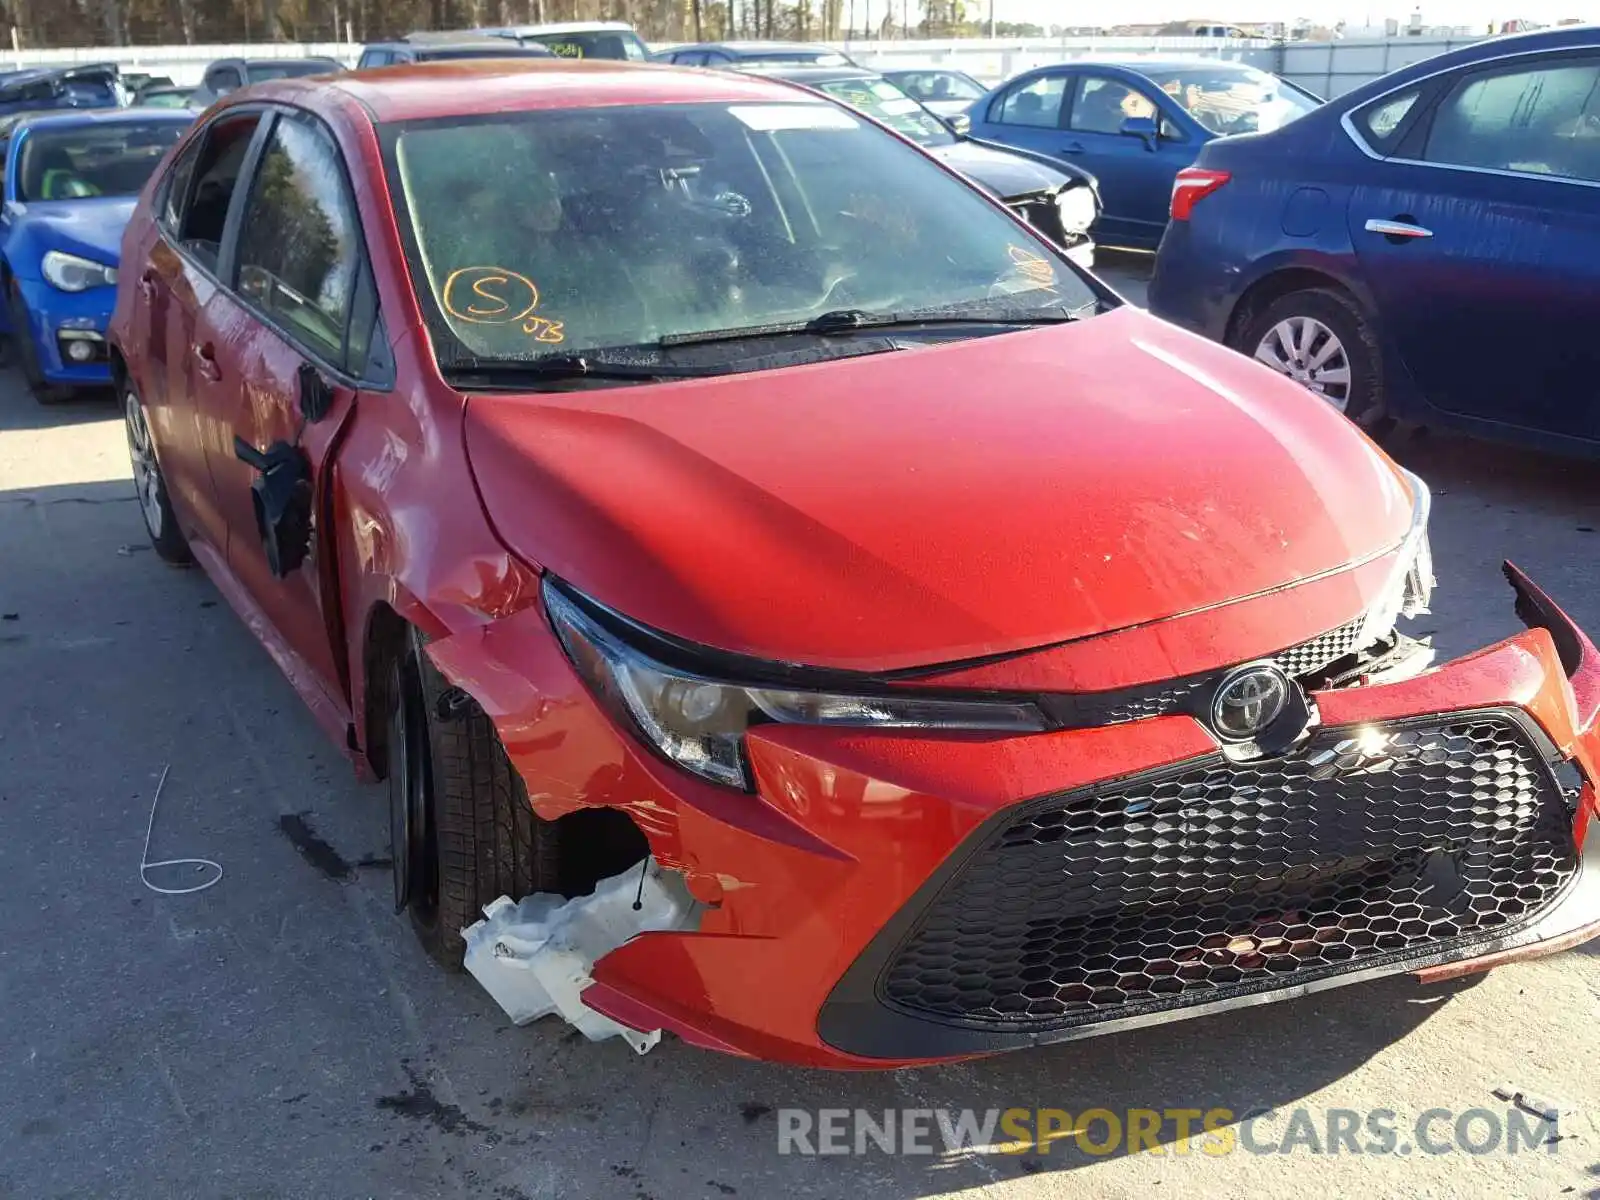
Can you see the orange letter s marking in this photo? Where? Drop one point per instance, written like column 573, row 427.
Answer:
column 518, row 298
column 478, row 288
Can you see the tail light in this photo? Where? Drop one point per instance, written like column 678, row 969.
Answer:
column 1193, row 185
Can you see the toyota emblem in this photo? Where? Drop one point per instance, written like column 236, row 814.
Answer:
column 1248, row 701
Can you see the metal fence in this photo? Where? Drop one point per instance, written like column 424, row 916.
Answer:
column 1326, row 68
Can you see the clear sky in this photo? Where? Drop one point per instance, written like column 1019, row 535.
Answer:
column 1326, row 12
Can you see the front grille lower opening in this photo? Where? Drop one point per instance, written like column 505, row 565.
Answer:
column 1218, row 878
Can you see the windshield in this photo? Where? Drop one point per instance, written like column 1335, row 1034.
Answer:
column 939, row 86
column 159, row 99
column 262, row 72
column 610, row 43
column 1233, row 99
column 576, row 230
column 882, row 101
column 89, row 161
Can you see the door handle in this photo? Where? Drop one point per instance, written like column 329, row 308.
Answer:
column 1072, row 148
column 1398, row 228
column 205, row 361
column 147, row 284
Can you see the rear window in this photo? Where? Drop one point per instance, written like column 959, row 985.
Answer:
column 619, row 44
column 262, row 72
column 882, row 101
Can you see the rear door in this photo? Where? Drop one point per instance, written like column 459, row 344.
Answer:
column 1028, row 114
column 1479, row 237
column 177, row 283
column 1135, row 173
column 291, row 337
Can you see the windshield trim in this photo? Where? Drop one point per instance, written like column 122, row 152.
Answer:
column 433, row 318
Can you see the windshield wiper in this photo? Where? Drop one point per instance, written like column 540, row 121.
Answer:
column 511, row 372
column 851, row 320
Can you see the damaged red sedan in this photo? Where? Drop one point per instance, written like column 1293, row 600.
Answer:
column 631, row 463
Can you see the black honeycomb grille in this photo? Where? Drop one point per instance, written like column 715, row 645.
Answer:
column 1320, row 651
column 1220, row 878
column 1191, row 694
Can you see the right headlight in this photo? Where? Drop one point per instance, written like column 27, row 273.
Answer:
column 73, row 274
column 1076, row 208
column 698, row 721
column 1410, row 587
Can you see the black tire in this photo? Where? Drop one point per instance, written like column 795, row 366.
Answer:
column 149, row 485
column 28, row 357
column 462, row 830
column 1363, row 401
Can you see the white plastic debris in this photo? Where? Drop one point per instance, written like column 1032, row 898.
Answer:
column 534, row 957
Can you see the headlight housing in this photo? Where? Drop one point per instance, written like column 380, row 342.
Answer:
column 698, row 722
column 73, row 274
column 1410, row 587
column 1076, row 208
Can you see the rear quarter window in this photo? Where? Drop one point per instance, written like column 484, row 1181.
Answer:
column 1384, row 122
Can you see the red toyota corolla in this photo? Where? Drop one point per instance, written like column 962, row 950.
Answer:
column 631, row 461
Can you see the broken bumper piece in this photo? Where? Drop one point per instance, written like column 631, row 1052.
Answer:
column 534, row 957
column 888, row 898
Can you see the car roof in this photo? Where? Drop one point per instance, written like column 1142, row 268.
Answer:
column 67, row 118
column 562, row 27
column 14, row 79
column 1143, row 65
column 430, row 45
column 413, row 92
column 759, row 48
column 277, row 62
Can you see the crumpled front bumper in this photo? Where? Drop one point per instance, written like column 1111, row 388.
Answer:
column 848, row 826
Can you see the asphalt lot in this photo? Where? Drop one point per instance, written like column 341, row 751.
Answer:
column 280, row 1034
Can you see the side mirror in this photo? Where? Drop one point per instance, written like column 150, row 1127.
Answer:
column 316, row 397
column 1143, row 128
column 960, row 124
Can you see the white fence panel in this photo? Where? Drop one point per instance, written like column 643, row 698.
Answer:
column 1326, row 68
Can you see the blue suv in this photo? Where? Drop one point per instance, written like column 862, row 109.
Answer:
column 1426, row 248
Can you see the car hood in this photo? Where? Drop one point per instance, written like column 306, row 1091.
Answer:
column 91, row 228
column 940, row 503
column 1003, row 173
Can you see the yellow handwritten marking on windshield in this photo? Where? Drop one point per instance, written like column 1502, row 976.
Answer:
column 1032, row 265
column 544, row 330
column 565, row 49
column 488, row 295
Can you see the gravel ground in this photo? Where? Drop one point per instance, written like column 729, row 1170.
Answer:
column 280, row 1035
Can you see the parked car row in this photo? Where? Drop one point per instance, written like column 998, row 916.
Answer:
column 761, row 508
column 1425, row 249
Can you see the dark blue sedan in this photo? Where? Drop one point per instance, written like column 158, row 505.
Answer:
column 1134, row 125
column 1426, row 248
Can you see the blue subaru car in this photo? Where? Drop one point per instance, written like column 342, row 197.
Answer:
column 1424, row 249
column 1133, row 126
column 71, row 181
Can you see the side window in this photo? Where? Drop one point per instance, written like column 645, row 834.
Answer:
column 1541, row 120
column 1379, row 123
column 216, row 176
column 222, row 80
column 175, row 188
column 299, row 242
column 1036, row 103
column 1102, row 104
column 371, row 58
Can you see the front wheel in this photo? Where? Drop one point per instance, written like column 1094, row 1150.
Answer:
column 1322, row 340
column 462, row 831
column 149, row 484
column 43, row 391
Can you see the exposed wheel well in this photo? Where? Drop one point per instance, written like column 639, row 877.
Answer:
column 119, row 366
column 596, row 842
column 1269, row 288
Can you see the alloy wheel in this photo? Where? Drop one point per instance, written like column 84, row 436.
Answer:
column 146, row 471
column 1311, row 354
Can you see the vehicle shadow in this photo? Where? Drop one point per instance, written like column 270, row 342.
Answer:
column 22, row 412
column 1247, row 1062
column 1526, row 479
